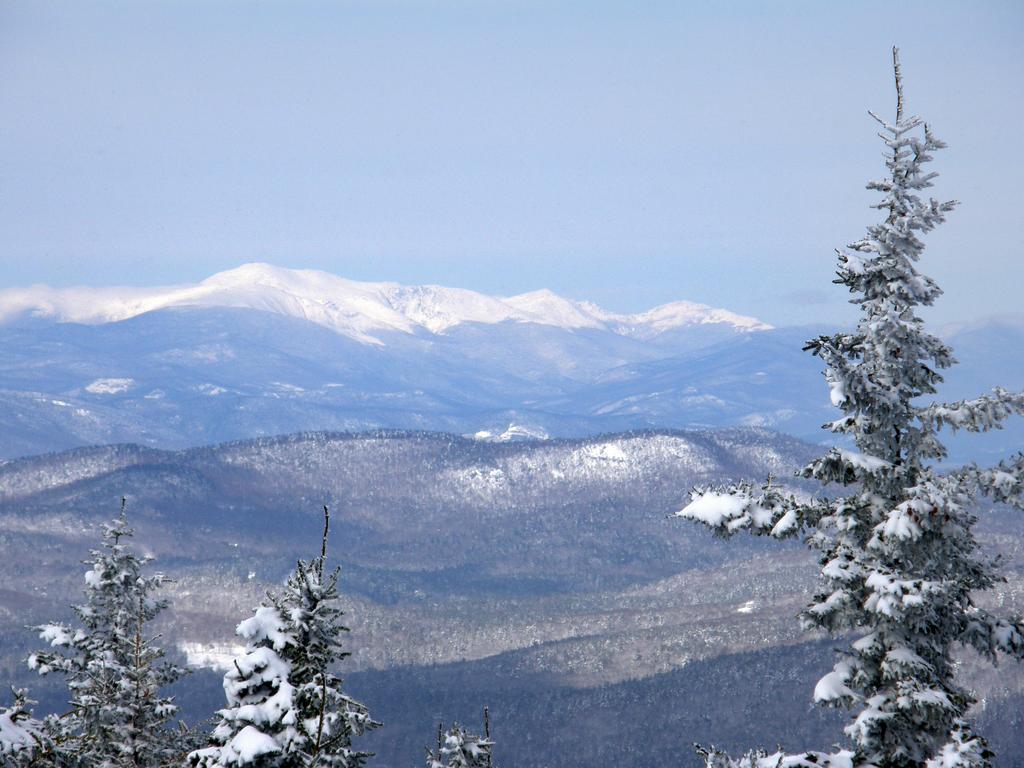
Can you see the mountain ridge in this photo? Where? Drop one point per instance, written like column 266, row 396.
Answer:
column 356, row 309
column 187, row 374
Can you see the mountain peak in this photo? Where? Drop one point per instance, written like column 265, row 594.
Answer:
column 360, row 310
column 678, row 313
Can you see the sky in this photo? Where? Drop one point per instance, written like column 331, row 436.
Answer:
column 629, row 153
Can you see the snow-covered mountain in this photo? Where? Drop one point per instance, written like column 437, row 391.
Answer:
column 358, row 310
column 260, row 351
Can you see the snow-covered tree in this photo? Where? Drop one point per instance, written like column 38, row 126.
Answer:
column 459, row 748
column 112, row 666
column 23, row 739
column 286, row 708
column 899, row 562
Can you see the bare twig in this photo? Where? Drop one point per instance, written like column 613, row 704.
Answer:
column 487, row 733
column 323, row 543
column 899, row 83
column 124, row 518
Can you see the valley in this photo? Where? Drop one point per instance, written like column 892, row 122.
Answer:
column 539, row 577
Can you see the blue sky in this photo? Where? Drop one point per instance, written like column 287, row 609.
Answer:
column 630, row 153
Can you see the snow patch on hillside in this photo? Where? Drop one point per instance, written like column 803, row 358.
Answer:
column 606, row 452
column 215, row 656
column 513, row 434
column 110, row 386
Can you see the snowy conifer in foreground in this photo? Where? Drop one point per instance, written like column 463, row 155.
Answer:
column 285, row 707
column 113, row 669
column 899, row 560
column 459, row 748
column 23, row 739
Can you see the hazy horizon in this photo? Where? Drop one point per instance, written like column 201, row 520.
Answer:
column 85, row 295
column 627, row 155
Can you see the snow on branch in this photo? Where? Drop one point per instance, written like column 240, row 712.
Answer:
column 963, row 750
column 1003, row 483
column 846, row 467
column 923, row 509
column 978, row 415
column 763, row 511
column 833, row 689
column 715, row 758
column 460, row 748
column 991, row 635
column 20, row 734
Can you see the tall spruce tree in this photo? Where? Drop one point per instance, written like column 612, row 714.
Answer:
column 112, row 666
column 899, row 562
column 286, row 707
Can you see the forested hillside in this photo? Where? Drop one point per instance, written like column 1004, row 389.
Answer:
column 541, row 578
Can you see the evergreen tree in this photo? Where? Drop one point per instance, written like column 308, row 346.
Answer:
column 459, row 748
column 113, row 669
column 899, row 562
column 23, row 739
column 286, row 708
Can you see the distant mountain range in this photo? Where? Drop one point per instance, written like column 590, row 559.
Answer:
column 261, row 350
column 354, row 309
